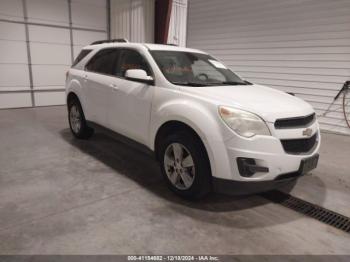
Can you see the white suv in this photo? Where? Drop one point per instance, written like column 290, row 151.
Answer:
column 209, row 128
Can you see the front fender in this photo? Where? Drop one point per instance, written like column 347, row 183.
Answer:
column 205, row 121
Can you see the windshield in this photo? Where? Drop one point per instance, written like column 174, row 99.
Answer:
column 194, row 69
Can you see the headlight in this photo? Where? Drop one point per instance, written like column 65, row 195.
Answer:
column 243, row 123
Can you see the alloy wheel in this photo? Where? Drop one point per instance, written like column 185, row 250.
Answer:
column 75, row 119
column 179, row 166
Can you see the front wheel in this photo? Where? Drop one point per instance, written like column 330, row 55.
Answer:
column 185, row 165
column 77, row 122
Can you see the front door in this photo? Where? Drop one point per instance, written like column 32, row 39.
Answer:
column 131, row 101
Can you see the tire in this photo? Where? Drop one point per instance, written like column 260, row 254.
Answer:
column 186, row 181
column 77, row 122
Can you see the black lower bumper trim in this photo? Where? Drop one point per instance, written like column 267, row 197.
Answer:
column 231, row 187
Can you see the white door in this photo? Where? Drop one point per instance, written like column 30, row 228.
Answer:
column 98, row 82
column 131, row 101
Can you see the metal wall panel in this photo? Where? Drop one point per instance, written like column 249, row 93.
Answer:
column 178, row 23
column 49, row 76
column 133, row 19
column 89, row 15
column 15, row 100
column 50, row 98
column 14, row 75
column 39, row 39
column 48, row 11
column 50, row 52
column 295, row 46
column 13, row 52
column 11, row 10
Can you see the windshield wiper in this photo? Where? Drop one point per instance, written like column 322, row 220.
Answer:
column 189, row 84
column 234, row 83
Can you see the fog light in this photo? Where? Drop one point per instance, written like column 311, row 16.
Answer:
column 247, row 167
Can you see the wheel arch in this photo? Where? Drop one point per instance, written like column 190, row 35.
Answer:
column 201, row 118
column 172, row 126
column 71, row 96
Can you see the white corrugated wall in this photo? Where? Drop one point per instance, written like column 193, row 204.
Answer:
column 178, row 23
column 133, row 20
column 299, row 46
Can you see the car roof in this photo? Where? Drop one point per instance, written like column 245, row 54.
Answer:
column 143, row 46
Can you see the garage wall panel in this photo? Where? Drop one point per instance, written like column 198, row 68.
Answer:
column 48, row 11
column 133, row 19
column 89, row 14
column 15, row 100
column 44, row 34
column 11, row 31
column 299, row 46
column 49, row 76
column 178, row 22
column 11, row 10
column 38, row 39
column 50, row 54
column 14, row 76
column 13, row 63
column 13, row 52
column 49, row 98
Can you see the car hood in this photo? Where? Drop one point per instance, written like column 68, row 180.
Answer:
column 270, row 104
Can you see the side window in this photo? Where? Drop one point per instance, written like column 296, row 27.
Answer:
column 131, row 59
column 103, row 62
column 81, row 56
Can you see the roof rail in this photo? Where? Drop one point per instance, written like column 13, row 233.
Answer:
column 118, row 40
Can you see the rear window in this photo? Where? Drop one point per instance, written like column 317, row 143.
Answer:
column 81, row 55
column 103, row 62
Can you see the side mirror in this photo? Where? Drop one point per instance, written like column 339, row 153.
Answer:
column 139, row 75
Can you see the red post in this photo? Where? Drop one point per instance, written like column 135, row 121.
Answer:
column 162, row 20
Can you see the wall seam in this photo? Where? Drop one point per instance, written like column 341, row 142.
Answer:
column 71, row 30
column 108, row 19
column 31, row 85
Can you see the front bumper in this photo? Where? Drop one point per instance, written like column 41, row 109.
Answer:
column 250, row 187
column 267, row 151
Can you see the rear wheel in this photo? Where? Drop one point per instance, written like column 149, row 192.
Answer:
column 77, row 121
column 185, row 165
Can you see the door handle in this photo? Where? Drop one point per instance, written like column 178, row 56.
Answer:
column 114, row 87
column 85, row 77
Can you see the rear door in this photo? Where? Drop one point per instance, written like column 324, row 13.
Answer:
column 98, row 81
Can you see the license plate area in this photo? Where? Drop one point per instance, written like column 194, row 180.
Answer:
column 308, row 164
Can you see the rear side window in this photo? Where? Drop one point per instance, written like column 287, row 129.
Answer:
column 81, row 55
column 103, row 62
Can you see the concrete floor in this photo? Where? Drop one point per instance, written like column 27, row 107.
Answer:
column 63, row 196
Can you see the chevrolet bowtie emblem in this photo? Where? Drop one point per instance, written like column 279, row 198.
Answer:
column 307, row 132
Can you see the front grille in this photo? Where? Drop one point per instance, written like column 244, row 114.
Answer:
column 299, row 146
column 294, row 122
